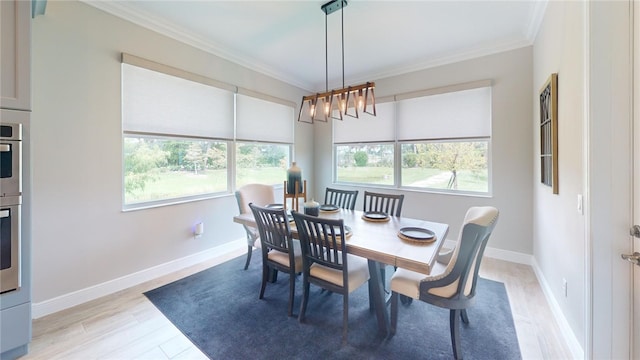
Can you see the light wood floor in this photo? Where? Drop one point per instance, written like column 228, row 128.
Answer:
column 126, row 325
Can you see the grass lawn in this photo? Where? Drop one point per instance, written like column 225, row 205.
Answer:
column 414, row 177
column 174, row 184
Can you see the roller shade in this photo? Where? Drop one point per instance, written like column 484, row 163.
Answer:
column 367, row 128
column 458, row 114
column 260, row 119
column 155, row 102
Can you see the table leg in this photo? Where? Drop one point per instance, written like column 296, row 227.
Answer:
column 376, row 293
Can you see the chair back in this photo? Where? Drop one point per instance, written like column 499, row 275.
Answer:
column 345, row 199
column 456, row 287
column 321, row 242
column 258, row 194
column 387, row 203
column 273, row 226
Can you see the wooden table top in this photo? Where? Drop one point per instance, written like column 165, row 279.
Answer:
column 379, row 241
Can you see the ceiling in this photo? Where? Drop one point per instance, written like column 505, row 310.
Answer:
column 286, row 39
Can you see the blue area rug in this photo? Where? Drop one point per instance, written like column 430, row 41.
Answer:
column 219, row 311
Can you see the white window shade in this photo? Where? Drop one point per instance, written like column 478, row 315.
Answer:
column 263, row 120
column 367, row 128
column 154, row 102
column 459, row 114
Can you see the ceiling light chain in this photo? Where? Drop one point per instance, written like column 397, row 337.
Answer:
column 337, row 102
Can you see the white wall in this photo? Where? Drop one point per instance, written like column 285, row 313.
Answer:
column 511, row 143
column 559, row 229
column 81, row 238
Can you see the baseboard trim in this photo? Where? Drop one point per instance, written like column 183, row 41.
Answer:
column 566, row 331
column 91, row 293
column 494, row 253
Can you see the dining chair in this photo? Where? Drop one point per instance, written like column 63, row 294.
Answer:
column 260, row 195
column 280, row 252
column 452, row 283
column 387, row 203
column 345, row 199
column 326, row 263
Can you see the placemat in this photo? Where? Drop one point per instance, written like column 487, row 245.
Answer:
column 416, row 241
column 376, row 220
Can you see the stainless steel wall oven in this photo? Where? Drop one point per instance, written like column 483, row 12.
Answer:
column 10, row 245
column 10, row 205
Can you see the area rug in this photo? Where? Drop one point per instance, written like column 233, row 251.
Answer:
column 219, row 311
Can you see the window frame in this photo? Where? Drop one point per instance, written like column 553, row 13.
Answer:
column 231, row 140
column 382, row 186
column 489, row 191
column 178, row 199
column 397, row 148
column 234, row 181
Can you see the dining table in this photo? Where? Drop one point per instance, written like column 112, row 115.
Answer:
column 389, row 240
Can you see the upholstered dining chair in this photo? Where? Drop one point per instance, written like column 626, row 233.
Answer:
column 326, row 263
column 260, row 195
column 345, row 199
column 452, row 283
column 280, row 252
column 387, row 203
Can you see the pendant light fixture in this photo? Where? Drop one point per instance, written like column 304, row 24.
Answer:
column 337, row 103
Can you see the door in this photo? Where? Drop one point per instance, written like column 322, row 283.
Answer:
column 634, row 257
column 610, row 179
column 636, row 179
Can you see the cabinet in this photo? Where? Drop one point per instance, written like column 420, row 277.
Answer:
column 15, row 105
column 15, row 54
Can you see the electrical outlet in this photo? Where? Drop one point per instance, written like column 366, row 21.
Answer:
column 564, row 287
column 580, row 204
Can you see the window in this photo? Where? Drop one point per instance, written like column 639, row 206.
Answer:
column 454, row 165
column 261, row 163
column 365, row 164
column 176, row 129
column 265, row 136
column 442, row 136
column 159, row 168
column 182, row 131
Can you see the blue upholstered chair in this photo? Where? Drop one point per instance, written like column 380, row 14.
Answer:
column 258, row 194
column 452, row 283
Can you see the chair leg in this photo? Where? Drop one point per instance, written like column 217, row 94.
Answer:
column 405, row 300
column 305, row 297
column 265, row 277
column 345, row 317
column 454, row 323
column 394, row 312
column 463, row 316
column 249, row 252
column 292, row 290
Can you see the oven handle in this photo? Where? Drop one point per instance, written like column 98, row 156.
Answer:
column 5, row 147
column 4, row 213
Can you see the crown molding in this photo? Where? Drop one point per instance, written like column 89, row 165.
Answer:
column 535, row 20
column 153, row 23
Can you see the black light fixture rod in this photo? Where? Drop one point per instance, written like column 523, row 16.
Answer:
column 342, row 23
column 326, row 55
column 333, row 6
